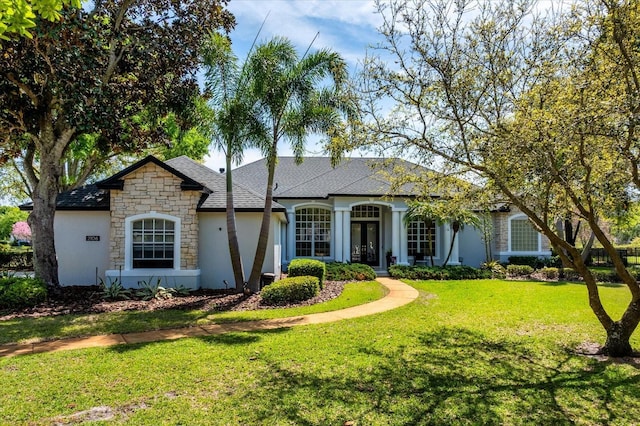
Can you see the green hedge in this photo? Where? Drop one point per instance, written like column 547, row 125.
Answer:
column 519, row 270
column 338, row 271
column 18, row 292
column 290, row 290
column 536, row 262
column 550, row 273
column 306, row 267
column 17, row 261
column 460, row 272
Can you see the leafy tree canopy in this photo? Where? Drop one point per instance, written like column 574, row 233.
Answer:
column 113, row 71
column 18, row 17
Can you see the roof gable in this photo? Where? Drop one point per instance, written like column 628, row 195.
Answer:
column 117, row 181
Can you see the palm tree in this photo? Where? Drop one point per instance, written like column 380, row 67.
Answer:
column 458, row 217
column 297, row 96
column 235, row 125
column 441, row 212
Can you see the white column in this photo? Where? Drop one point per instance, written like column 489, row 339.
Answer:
column 346, row 242
column 338, row 237
column 404, row 259
column 291, row 235
column 395, row 234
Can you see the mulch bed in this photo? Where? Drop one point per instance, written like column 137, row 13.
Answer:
column 87, row 300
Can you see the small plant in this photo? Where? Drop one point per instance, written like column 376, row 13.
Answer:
column 519, row 270
column 290, row 290
column 550, row 273
column 181, row 290
column 149, row 290
column 114, row 290
column 495, row 267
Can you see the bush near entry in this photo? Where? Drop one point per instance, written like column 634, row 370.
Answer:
column 457, row 272
column 338, row 271
column 306, row 267
column 290, row 290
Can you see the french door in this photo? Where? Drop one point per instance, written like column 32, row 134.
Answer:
column 364, row 243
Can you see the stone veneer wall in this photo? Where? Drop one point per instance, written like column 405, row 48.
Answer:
column 151, row 188
column 501, row 232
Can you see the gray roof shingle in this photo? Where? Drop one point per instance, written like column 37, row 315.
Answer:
column 243, row 198
column 316, row 178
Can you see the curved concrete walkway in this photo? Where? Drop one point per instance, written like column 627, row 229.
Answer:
column 399, row 294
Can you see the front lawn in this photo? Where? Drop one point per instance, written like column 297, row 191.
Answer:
column 29, row 330
column 466, row 352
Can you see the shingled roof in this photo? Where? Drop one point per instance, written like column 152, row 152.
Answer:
column 316, row 178
column 195, row 177
column 244, row 199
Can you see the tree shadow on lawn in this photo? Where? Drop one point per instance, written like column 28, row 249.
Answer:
column 450, row 375
column 226, row 339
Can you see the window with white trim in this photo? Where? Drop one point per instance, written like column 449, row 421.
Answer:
column 523, row 236
column 418, row 237
column 153, row 242
column 313, row 232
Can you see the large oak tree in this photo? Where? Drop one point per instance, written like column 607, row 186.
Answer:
column 114, row 70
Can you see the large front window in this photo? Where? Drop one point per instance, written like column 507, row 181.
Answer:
column 523, row 236
column 153, row 243
column 418, row 238
column 313, row 232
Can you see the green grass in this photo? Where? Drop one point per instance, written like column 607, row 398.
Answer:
column 467, row 352
column 30, row 330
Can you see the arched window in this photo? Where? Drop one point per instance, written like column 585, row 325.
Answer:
column 152, row 242
column 522, row 235
column 313, row 232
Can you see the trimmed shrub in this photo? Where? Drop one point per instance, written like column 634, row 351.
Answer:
column 571, row 274
column 308, row 267
column 459, row 272
column 21, row 292
column 534, row 261
column 17, row 261
column 550, row 273
column 338, row 271
column 519, row 270
column 290, row 290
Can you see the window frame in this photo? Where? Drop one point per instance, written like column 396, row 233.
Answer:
column 522, row 217
column 312, row 232
column 421, row 238
column 129, row 221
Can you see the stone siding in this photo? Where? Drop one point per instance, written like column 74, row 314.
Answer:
column 153, row 189
column 501, row 232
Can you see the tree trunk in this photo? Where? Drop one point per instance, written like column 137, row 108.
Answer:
column 617, row 344
column 234, row 247
column 453, row 239
column 41, row 220
column 265, row 227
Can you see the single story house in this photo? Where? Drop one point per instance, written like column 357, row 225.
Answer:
column 166, row 220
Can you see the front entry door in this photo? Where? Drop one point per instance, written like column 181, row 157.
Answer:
column 364, row 243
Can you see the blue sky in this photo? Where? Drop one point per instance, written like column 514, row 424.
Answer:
column 346, row 26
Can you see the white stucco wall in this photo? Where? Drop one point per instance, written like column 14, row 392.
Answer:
column 471, row 247
column 214, row 258
column 77, row 257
